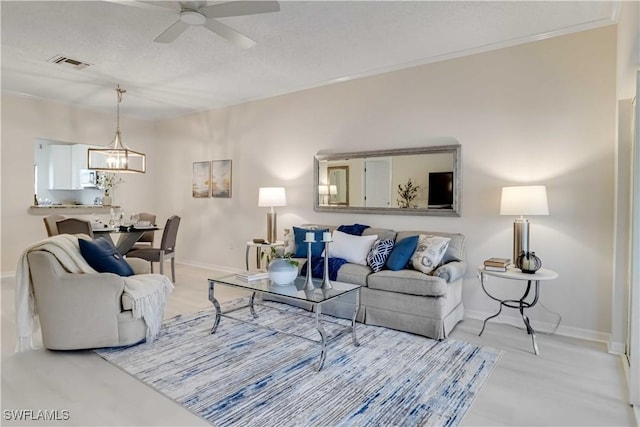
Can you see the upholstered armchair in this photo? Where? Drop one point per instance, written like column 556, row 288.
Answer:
column 86, row 310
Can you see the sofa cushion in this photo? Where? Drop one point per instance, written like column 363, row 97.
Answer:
column 352, row 248
column 429, row 252
column 410, row 282
column 455, row 250
column 401, row 253
column 301, row 247
column 354, row 273
column 103, row 257
column 379, row 254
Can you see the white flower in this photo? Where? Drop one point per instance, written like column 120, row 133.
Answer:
column 107, row 181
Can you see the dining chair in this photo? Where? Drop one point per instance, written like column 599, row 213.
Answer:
column 146, row 240
column 50, row 224
column 167, row 249
column 74, row 226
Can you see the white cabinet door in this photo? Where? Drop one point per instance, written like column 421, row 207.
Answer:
column 78, row 163
column 65, row 165
column 59, row 167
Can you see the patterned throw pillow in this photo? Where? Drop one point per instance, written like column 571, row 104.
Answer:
column 379, row 253
column 429, row 252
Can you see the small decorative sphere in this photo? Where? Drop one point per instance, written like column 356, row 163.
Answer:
column 528, row 262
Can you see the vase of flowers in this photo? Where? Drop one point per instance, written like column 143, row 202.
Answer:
column 107, row 182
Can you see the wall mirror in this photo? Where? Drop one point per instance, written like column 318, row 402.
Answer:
column 409, row 181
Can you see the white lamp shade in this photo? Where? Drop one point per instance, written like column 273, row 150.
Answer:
column 272, row 196
column 323, row 189
column 524, row 200
column 333, row 189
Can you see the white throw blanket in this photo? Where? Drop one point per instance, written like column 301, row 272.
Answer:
column 148, row 291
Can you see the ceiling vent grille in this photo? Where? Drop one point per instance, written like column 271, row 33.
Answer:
column 68, row 62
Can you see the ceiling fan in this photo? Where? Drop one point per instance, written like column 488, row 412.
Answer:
column 204, row 14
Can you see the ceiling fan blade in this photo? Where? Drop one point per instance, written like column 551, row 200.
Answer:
column 239, row 8
column 165, row 6
column 230, row 34
column 172, row 33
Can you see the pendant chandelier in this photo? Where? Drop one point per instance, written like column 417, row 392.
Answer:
column 117, row 157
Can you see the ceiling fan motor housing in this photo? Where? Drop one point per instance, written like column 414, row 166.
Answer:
column 192, row 17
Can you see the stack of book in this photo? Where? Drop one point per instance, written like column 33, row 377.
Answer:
column 497, row 264
column 252, row 275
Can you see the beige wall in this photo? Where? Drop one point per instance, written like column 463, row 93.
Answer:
column 540, row 113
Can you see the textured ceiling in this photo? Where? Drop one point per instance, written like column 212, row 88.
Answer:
column 305, row 44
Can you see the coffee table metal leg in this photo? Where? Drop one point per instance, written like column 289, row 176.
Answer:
column 251, row 300
column 216, row 305
column 353, row 320
column 323, row 335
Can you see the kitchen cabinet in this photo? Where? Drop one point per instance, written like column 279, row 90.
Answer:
column 66, row 162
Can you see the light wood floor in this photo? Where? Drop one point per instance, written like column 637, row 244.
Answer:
column 571, row 383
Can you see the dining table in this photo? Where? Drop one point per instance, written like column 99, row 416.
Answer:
column 128, row 235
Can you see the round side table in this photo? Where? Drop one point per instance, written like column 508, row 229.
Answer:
column 519, row 304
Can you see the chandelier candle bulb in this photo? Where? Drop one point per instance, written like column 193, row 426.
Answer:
column 310, row 237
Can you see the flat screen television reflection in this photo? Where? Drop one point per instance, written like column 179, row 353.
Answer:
column 440, row 190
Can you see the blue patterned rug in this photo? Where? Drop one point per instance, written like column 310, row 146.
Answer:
column 248, row 376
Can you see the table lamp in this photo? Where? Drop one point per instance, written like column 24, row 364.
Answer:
column 271, row 197
column 523, row 200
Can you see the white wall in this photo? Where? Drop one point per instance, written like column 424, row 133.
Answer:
column 540, row 113
column 25, row 119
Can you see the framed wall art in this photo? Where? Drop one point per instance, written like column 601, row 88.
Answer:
column 201, row 185
column 221, row 178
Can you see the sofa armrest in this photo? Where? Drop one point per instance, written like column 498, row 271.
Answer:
column 451, row 271
column 139, row 265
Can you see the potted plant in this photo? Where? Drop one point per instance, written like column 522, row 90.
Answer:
column 107, row 182
column 282, row 269
column 406, row 194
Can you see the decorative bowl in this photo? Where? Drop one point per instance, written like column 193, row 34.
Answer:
column 282, row 272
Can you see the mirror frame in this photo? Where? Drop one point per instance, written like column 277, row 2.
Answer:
column 454, row 149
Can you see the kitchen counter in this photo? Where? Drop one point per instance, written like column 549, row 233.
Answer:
column 75, row 209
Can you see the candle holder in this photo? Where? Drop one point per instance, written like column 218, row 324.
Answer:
column 308, row 283
column 326, row 283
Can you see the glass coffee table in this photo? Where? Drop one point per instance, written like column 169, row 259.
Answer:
column 292, row 292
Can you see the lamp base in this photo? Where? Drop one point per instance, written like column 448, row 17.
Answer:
column 520, row 237
column 272, row 228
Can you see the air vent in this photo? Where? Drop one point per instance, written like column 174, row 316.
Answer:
column 68, row 62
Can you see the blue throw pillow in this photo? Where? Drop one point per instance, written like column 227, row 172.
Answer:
column 402, row 253
column 300, row 235
column 355, row 229
column 104, row 257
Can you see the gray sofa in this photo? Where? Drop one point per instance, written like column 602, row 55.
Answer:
column 406, row 300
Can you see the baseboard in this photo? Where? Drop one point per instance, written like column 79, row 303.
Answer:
column 543, row 327
column 215, row 267
column 615, row 347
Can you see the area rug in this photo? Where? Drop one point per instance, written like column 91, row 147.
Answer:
column 248, row 376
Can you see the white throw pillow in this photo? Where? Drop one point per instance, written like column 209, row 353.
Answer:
column 352, row 248
column 429, row 252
